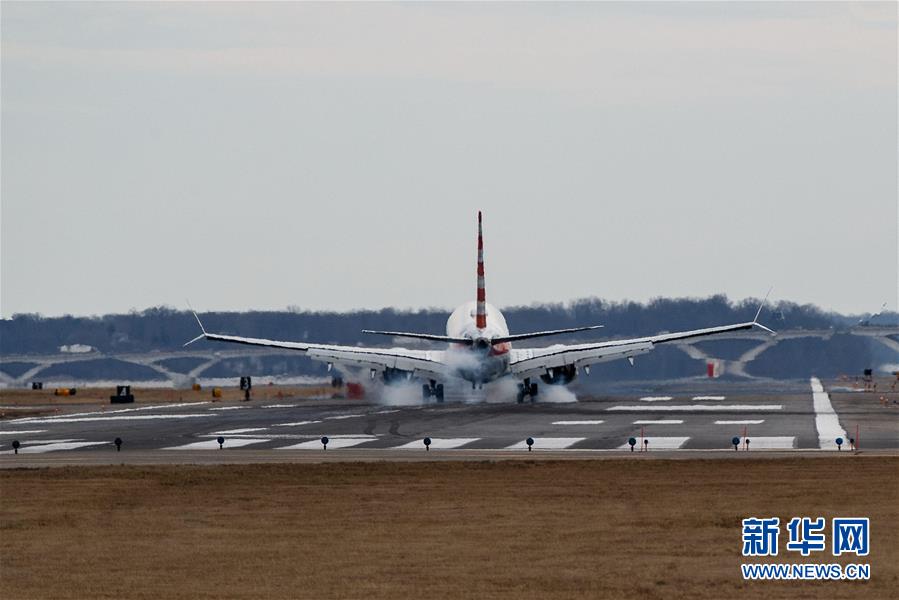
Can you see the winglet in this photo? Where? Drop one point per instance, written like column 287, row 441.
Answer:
column 755, row 320
column 199, row 322
column 762, row 305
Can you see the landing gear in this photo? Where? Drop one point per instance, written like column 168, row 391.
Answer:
column 527, row 389
column 432, row 389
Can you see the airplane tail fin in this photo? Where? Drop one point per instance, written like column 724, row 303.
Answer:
column 481, row 314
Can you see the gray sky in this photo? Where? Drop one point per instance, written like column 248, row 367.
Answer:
column 334, row 156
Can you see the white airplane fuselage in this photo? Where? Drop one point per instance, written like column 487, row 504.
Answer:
column 482, row 361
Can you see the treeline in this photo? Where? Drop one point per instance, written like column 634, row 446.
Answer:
column 167, row 329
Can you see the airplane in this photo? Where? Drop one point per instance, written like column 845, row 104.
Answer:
column 479, row 349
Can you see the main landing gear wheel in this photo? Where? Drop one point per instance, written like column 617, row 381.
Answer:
column 435, row 390
column 527, row 389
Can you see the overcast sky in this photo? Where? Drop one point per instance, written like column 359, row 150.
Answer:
column 334, row 156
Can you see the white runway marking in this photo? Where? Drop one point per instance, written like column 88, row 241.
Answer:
column 123, row 410
column 386, row 412
column 40, row 449
column 48, row 421
column 578, row 422
column 333, row 443
column 99, row 412
column 214, row 445
column 437, row 443
column 296, row 423
column 65, row 441
column 25, row 432
column 826, row 420
column 748, row 422
column 344, row 417
column 660, row 422
column 658, row 443
column 655, row 398
column 547, row 443
column 701, row 398
column 229, row 407
column 701, row 407
column 279, row 406
column 772, row 442
column 244, row 430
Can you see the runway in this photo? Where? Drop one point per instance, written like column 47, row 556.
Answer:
column 670, row 423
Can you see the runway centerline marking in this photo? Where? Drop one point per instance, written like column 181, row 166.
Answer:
column 243, row 430
column 437, row 443
column 746, row 422
column 659, row 442
column 826, row 420
column 49, row 421
column 594, row 422
column 701, row 398
column 699, row 407
column 295, row 423
column 23, row 432
column 655, row 398
column 660, row 422
column 338, row 417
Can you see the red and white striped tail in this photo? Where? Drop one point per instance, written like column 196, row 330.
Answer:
column 481, row 315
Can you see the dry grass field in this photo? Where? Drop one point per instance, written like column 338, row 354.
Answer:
column 550, row 529
column 16, row 403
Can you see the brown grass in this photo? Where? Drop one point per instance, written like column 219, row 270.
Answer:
column 100, row 396
column 617, row 529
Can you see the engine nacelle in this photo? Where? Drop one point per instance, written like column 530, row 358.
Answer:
column 560, row 375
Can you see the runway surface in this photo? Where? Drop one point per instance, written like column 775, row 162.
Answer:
column 664, row 423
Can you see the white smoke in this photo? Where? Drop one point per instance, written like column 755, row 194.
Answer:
column 556, row 394
column 396, row 394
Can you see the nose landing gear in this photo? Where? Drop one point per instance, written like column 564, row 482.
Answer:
column 527, row 389
column 432, row 389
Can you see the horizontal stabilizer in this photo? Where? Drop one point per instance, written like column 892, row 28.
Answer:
column 536, row 334
column 422, row 336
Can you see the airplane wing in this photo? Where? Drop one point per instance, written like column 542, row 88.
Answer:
column 419, row 363
column 536, row 361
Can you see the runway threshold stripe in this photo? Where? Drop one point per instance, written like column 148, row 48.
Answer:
column 746, row 422
column 42, row 448
column 547, row 443
column 437, row 444
column 826, row 420
column 771, row 442
column 595, row 422
column 214, row 445
column 333, row 443
column 699, row 407
column 660, row 422
column 657, row 442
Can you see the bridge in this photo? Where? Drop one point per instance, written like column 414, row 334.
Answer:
column 210, row 357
